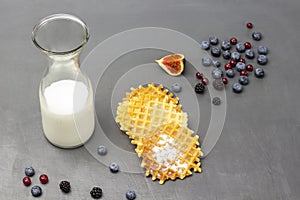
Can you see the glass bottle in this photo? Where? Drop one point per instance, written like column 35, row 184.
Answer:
column 65, row 92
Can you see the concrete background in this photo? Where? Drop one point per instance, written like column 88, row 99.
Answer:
column 257, row 156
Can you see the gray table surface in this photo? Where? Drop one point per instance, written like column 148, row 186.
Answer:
column 257, row 156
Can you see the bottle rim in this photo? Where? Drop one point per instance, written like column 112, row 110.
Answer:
column 51, row 18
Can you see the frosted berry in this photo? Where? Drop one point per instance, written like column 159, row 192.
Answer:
column 102, row 150
column 240, row 47
column 206, row 61
column 225, row 45
column 176, row 87
column 26, row 181
column 199, row 75
column 130, row 195
column 213, row 40
column 230, row 73
column 226, row 54
column 36, row 191
column 247, row 45
column 114, row 167
column 216, row 63
column 205, row 45
column 256, row 36
column 235, row 56
column 249, row 53
column 215, row 51
column 237, row 88
column 262, row 50
column 218, row 84
column 96, row 192
column 199, row 88
column 249, row 68
column 240, row 66
column 244, row 80
column 29, row 171
column 217, row 73
column 259, row 72
column 65, row 186
column 262, row 59
column 44, row 179
column 233, row 41
column 249, row 25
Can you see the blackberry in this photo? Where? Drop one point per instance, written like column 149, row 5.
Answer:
column 96, row 192
column 216, row 101
column 213, row 40
column 65, row 186
column 215, row 51
column 29, row 171
column 226, row 54
column 130, row 195
column 256, row 36
column 199, row 88
column 36, row 191
column 114, row 167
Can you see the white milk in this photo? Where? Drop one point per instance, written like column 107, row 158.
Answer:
column 60, row 106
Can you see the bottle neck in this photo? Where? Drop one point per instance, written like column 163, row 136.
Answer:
column 64, row 62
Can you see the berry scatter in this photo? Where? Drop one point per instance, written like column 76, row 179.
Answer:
column 44, row 179
column 96, row 192
column 102, row 150
column 29, row 171
column 114, row 167
column 26, row 181
column 130, row 195
column 36, row 191
column 65, row 186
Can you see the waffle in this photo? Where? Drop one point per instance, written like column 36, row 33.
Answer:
column 169, row 153
column 144, row 109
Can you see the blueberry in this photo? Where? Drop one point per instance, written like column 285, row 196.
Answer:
column 262, row 59
column 240, row 66
column 215, row 51
column 262, row 50
column 206, row 61
column 36, row 191
column 176, row 87
column 225, row 45
column 256, row 36
column 218, row 84
column 213, row 40
column 244, row 80
column 29, row 171
column 216, row 101
column 259, row 72
column 235, row 56
column 217, row 73
column 205, row 45
column 226, row 54
column 102, row 150
column 249, row 54
column 114, row 167
column 216, row 63
column 237, row 88
column 230, row 73
column 240, row 47
column 130, row 194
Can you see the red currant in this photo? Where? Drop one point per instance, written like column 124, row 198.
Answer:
column 199, row 75
column 232, row 63
column 249, row 68
column 227, row 66
column 249, row 25
column 244, row 73
column 233, row 41
column 26, row 181
column 247, row 45
column 224, row 80
column 242, row 60
column 44, row 178
column 204, row 81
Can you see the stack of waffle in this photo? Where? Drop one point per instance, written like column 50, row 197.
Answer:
column 152, row 117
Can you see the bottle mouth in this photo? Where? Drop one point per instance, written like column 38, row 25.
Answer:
column 60, row 34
